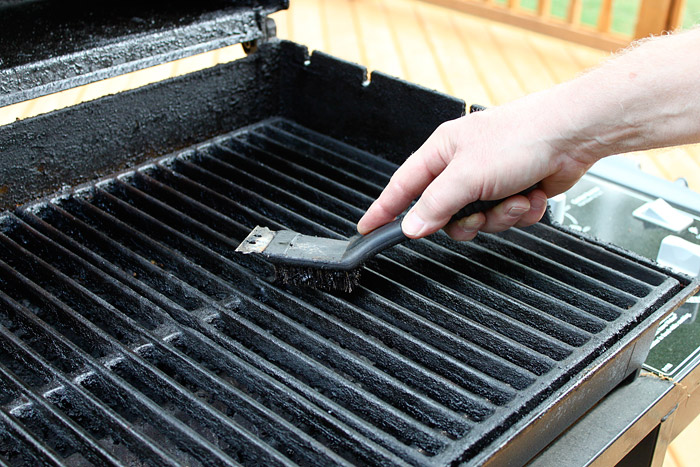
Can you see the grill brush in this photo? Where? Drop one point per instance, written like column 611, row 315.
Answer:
column 327, row 263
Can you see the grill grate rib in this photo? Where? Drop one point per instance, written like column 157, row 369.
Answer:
column 131, row 332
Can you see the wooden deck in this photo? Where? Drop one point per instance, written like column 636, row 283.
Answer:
column 476, row 60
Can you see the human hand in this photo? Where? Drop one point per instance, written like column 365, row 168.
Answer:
column 641, row 99
column 485, row 155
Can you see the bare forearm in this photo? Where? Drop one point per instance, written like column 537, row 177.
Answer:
column 644, row 98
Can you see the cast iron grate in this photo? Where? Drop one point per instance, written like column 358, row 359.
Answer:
column 132, row 333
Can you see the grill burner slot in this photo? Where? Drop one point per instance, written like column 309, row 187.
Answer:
column 132, row 332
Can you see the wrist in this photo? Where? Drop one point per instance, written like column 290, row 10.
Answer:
column 554, row 124
column 597, row 121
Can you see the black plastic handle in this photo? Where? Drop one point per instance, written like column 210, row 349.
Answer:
column 363, row 247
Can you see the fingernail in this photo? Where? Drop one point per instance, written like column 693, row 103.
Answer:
column 537, row 203
column 412, row 224
column 471, row 224
column 517, row 211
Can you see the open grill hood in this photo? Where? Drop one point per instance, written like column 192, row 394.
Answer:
column 130, row 331
column 47, row 46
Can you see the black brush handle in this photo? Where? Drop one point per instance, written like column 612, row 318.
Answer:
column 363, row 247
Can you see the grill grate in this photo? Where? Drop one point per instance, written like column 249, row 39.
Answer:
column 132, row 333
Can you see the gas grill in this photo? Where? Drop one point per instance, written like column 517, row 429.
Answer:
column 132, row 333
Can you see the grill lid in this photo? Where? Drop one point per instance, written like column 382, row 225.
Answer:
column 48, row 46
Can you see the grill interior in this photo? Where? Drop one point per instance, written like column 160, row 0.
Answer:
column 132, row 333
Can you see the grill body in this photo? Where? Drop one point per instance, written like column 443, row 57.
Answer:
column 130, row 331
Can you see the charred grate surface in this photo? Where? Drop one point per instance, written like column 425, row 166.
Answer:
column 132, row 333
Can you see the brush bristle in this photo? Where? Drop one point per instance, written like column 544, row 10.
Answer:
column 323, row 279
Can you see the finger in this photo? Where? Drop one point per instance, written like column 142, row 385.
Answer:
column 538, row 205
column 506, row 214
column 467, row 228
column 409, row 181
column 446, row 195
column 405, row 185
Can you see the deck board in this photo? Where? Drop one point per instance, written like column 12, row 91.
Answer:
column 377, row 41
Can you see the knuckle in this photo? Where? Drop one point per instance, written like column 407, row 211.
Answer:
column 399, row 187
column 499, row 224
column 444, row 128
column 382, row 208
